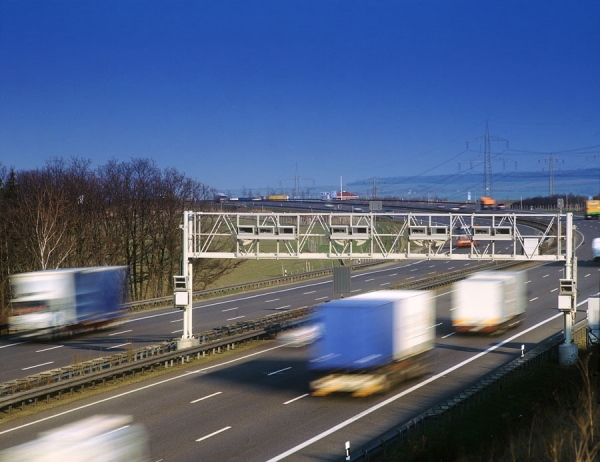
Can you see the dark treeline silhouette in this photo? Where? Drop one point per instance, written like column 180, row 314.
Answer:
column 67, row 215
column 569, row 201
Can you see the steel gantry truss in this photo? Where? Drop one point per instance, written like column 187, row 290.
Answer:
column 388, row 236
column 379, row 236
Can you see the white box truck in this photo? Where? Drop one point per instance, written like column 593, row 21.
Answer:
column 596, row 248
column 489, row 301
column 95, row 439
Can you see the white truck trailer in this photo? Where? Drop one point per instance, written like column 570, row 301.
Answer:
column 489, row 301
column 95, row 439
column 596, row 249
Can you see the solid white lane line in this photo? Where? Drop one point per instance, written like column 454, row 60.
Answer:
column 130, row 330
column 37, row 365
column 283, row 307
column 51, row 348
column 296, row 399
column 280, row 370
column 206, row 397
column 213, row 433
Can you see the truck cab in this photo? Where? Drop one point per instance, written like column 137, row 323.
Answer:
column 487, row 203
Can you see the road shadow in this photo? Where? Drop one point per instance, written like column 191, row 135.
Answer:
column 262, row 375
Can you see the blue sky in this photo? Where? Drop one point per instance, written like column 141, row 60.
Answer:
column 237, row 93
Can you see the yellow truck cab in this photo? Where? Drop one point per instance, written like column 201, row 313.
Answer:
column 487, row 203
column 592, row 209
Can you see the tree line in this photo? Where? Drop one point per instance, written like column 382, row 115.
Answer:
column 68, row 214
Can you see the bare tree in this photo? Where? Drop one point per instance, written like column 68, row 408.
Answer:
column 42, row 220
column 122, row 213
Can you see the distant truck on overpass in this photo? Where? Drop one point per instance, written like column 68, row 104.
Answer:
column 592, row 209
column 487, row 203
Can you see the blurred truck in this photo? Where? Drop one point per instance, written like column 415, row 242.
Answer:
column 596, row 248
column 95, row 439
column 300, row 336
column 487, row 203
column 489, row 301
column 370, row 342
column 592, row 209
column 58, row 302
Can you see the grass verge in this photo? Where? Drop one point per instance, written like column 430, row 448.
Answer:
column 259, row 270
column 551, row 413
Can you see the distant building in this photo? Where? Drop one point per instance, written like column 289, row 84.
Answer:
column 345, row 195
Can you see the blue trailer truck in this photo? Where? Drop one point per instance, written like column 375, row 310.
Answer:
column 370, row 342
column 58, row 302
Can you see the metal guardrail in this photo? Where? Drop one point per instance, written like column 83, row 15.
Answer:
column 31, row 388
column 471, row 397
column 45, row 385
column 48, row 383
column 226, row 290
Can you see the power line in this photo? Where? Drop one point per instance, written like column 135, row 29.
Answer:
column 297, row 180
column 552, row 162
column 487, row 158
